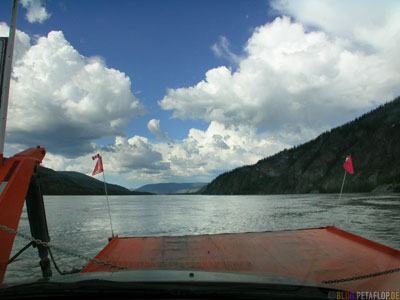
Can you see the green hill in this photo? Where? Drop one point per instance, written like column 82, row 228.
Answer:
column 74, row 183
column 373, row 140
column 172, row 188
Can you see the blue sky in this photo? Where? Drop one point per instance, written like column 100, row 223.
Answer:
column 158, row 44
column 185, row 90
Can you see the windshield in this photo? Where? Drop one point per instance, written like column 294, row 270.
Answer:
column 208, row 118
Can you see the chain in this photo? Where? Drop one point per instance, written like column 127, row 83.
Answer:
column 66, row 251
column 362, row 276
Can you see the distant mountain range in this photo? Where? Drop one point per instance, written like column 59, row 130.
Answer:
column 74, row 183
column 373, row 140
column 172, row 188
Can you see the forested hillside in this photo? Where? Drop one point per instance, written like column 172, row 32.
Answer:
column 373, row 140
column 74, row 183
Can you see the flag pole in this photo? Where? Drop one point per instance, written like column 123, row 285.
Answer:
column 341, row 190
column 348, row 167
column 108, row 203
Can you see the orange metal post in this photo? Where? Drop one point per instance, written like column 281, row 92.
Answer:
column 15, row 175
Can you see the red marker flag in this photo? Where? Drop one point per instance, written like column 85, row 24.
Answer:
column 99, row 165
column 348, row 165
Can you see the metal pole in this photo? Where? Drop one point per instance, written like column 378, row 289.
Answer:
column 108, row 204
column 38, row 223
column 7, row 76
column 341, row 190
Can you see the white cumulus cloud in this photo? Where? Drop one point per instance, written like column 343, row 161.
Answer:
column 201, row 156
column 64, row 100
column 298, row 81
column 364, row 21
column 132, row 158
column 205, row 154
column 36, row 12
column 135, row 154
column 154, row 127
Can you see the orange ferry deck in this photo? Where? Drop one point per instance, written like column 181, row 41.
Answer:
column 317, row 254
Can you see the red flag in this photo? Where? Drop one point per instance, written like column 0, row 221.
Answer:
column 99, row 165
column 348, row 165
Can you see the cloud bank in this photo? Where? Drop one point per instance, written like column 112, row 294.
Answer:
column 205, row 154
column 201, row 156
column 294, row 83
column 64, row 100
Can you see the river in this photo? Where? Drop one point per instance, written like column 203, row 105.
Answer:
column 81, row 223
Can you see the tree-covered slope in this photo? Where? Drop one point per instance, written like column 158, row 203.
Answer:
column 172, row 188
column 74, row 183
column 373, row 141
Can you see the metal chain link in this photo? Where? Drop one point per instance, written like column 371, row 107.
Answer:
column 66, row 251
column 362, row 276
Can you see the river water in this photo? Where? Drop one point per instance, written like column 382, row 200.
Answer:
column 81, row 223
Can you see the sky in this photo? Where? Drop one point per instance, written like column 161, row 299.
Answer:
column 182, row 91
